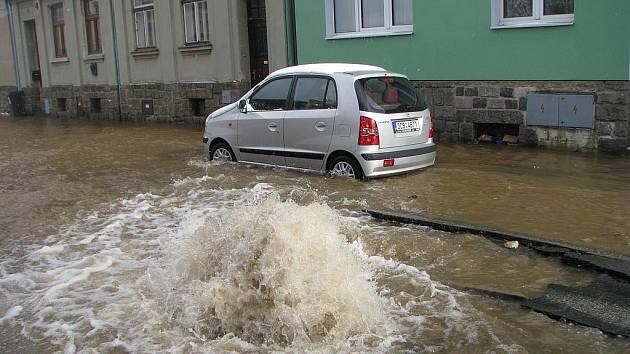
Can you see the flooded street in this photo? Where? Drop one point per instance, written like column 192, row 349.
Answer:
column 122, row 237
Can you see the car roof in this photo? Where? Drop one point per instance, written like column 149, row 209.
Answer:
column 329, row 68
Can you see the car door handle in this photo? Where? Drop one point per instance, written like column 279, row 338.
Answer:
column 273, row 126
column 321, row 126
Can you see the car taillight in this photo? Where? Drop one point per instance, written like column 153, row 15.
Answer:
column 430, row 126
column 368, row 131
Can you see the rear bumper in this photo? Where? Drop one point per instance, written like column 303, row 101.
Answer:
column 405, row 160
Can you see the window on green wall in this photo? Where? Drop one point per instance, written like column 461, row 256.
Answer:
column 368, row 18
column 532, row 13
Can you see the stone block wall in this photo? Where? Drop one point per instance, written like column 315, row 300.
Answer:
column 31, row 100
column 458, row 106
column 142, row 102
column 4, row 99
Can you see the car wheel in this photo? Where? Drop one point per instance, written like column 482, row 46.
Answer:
column 221, row 152
column 344, row 166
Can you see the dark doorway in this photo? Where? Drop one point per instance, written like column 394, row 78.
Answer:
column 257, row 29
column 32, row 51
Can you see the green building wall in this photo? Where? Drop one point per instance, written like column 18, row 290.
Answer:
column 452, row 40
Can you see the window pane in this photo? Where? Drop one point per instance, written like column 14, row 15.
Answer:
column 310, row 93
column 345, row 20
column 388, row 95
column 373, row 13
column 140, row 38
column 517, row 8
column 91, row 7
column 402, row 12
column 558, row 7
column 89, row 31
column 62, row 38
column 150, row 29
column 189, row 19
column 57, row 13
column 202, row 19
column 57, row 39
column 272, row 96
column 331, row 95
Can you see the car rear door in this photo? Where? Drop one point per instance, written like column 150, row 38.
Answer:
column 402, row 116
column 308, row 124
column 261, row 128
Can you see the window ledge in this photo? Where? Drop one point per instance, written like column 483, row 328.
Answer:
column 530, row 24
column 369, row 34
column 196, row 48
column 145, row 53
column 93, row 57
column 59, row 60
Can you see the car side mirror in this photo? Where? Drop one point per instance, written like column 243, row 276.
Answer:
column 242, row 105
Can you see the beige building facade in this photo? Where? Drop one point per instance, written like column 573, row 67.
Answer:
column 7, row 65
column 141, row 59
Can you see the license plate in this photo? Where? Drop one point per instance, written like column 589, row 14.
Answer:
column 406, row 126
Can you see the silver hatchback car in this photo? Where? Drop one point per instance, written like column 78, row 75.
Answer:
column 345, row 119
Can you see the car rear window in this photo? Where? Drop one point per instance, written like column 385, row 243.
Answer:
column 388, row 95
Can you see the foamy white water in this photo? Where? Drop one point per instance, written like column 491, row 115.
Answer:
column 200, row 269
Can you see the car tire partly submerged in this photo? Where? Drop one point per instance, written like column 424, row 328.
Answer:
column 345, row 166
column 221, row 152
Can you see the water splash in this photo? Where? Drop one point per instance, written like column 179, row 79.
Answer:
column 202, row 269
column 273, row 273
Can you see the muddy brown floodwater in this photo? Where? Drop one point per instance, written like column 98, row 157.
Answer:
column 121, row 237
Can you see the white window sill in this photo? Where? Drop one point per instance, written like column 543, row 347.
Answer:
column 196, row 48
column 59, row 60
column 369, row 34
column 93, row 57
column 150, row 52
column 530, row 24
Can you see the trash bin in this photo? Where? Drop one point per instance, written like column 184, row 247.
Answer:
column 16, row 103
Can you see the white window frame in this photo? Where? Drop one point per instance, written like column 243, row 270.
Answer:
column 195, row 5
column 388, row 30
column 142, row 10
column 538, row 18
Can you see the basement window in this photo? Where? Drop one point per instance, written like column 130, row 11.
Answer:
column 95, row 105
column 62, row 105
column 147, row 107
column 198, row 106
column 532, row 13
column 495, row 133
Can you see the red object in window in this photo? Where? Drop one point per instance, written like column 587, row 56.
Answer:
column 368, row 132
column 388, row 163
column 430, row 126
column 391, row 95
column 389, row 80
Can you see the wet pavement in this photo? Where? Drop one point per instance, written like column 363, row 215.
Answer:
column 121, row 237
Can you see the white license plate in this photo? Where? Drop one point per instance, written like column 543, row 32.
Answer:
column 406, row 126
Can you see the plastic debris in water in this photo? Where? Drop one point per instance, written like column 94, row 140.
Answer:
column 511, row 245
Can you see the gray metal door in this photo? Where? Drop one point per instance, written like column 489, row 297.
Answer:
column 542, row 110
column 308, row 125
column 576, row 111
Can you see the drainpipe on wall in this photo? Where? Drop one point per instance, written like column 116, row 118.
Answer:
column 16, row 66
column 116, row 59
column 289, row 17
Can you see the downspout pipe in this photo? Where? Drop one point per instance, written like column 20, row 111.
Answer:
column 116, row 58
column 289, row 17
column 16, row 65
